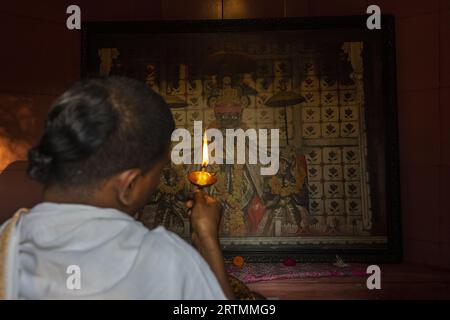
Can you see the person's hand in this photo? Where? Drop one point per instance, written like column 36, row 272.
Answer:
column 205, row 218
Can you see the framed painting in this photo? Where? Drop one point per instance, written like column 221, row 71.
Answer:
column 327, row 84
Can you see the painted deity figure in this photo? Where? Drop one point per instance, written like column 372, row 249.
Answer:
column 286, row 200
column 237, row 183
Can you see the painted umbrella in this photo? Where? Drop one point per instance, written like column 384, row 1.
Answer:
column 284, row 99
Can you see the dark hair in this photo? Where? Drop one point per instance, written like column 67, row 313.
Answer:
column 100, row 127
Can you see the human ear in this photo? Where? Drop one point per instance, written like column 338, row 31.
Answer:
column 126, row 187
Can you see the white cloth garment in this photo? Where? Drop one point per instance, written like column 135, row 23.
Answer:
column 118, row 257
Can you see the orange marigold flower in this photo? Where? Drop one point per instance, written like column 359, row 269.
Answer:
column 238, row 261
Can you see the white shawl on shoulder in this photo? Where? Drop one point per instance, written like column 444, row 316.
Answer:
column 118, row 258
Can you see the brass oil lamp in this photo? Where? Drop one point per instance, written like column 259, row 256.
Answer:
column 203, row 178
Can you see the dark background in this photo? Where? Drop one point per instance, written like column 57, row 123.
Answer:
column 40, row 57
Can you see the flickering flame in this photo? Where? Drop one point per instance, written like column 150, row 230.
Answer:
column 203, row 178
column 205, row 158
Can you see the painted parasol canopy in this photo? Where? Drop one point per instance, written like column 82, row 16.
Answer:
column 175, row 102
column 284, row 98
column 229, row 62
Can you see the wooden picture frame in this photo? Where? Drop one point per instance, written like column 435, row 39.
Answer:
column 346, row 75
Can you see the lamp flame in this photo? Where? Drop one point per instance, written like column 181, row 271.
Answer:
column 205, row 158
column 203, row 178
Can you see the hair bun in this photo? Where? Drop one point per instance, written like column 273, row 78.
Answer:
column 39, row 164
column 78, row 124
column 99, row 128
